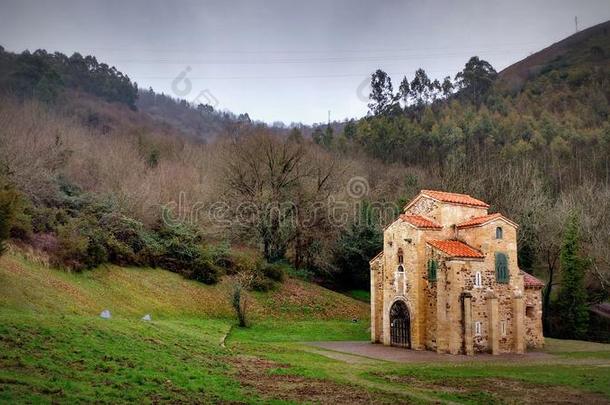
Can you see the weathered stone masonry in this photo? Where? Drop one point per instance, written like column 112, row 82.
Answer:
column 455, row 267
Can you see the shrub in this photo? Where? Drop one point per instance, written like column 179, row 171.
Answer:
column 11, row 214
column 205, row 271
column 262, row 284
column 275, row 271
column 46, row 219
column 180, row 246
column 5, row 223
column 242, row 262
column 119, row 252
column 72, row 247
column 267, row 276
column 45, row 242
column 181, row 250
column 126, row 239
column 221, row 255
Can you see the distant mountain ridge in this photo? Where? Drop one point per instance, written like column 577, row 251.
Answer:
column 518, row 73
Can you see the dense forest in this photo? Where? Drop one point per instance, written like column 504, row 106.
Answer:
column 125, row 178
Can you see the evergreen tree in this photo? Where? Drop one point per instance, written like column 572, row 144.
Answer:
column 4, row 225
column 327, row 138
column 403, row 91
column 447, row 86
column 318, row 136
column 9, row 200
column 420, row 87
column 572, row 297
column 350, row 130
column 476, row 79
column 382, row 93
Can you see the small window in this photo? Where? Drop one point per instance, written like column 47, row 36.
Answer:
column 503, row 328
column 499, row 233
column 529, row 311
column 502, row 274
column 400, row 269
column 400, row 256
column 477, row 328
column 477, row 279
column 432, row 267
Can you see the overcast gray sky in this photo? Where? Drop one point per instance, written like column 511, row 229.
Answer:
column 290, row 60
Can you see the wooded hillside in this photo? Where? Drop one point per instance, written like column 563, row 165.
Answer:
column 93, row 179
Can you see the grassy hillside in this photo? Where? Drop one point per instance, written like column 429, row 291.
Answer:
column 133, row 292
column 54, row 348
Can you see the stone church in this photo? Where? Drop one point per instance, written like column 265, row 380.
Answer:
column 448, row 280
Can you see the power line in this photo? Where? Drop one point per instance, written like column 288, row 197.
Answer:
column 168, row 61
column 293, row 51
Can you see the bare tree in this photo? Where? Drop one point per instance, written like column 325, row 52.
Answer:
column 276, row 190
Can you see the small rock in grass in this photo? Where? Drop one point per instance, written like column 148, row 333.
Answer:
column 106, row 314
column 147, row 317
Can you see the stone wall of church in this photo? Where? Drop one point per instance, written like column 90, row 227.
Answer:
column 437, row 307
column 444, row 214
column 377, row 300
column 410, row 285
column 451, row 214
column 484, row 239
column 534, row 337
column 430, row 298
column 396, row 284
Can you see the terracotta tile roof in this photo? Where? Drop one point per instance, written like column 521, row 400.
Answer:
column 455, row 248
column 454, row 198
column 530, row 281
column 420, row 222
column 478, row 220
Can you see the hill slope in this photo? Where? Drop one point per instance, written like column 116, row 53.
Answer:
column 133, row 292
column 55, row 349
column 588, row 46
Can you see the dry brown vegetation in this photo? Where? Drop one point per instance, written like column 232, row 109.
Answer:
column 145, row 167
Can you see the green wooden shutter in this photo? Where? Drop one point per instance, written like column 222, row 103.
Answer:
column 501, row 268
column 432, row 266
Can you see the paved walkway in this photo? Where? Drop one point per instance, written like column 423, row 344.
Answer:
column 400, row 355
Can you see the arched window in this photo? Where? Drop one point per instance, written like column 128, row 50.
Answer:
column 400, row 268
column 477, row 279
column 400, row 256
column 499, row 232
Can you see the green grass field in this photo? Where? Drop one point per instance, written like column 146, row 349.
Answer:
column 54, row 348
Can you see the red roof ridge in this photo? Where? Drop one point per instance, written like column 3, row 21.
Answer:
column 420, row 221
column 454, row 198
column 483, row 219
column 531, row 281
column 456, row 248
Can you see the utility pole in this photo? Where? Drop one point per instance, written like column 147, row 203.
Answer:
column 576, row 22
column 328, row 117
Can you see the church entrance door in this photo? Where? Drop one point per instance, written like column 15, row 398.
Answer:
column 400, row 325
